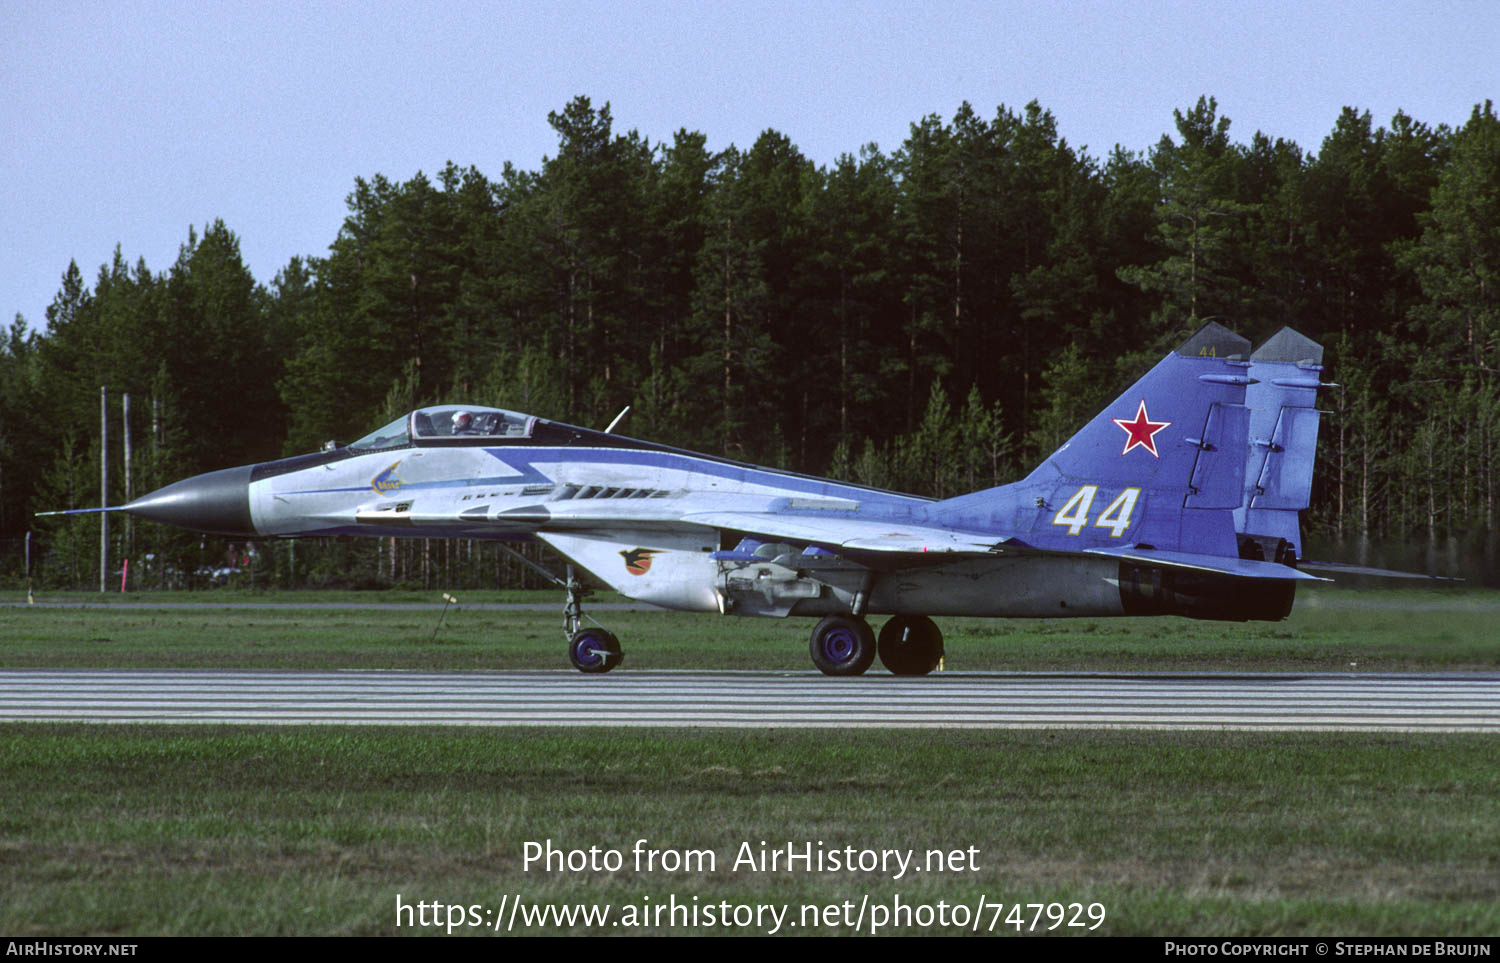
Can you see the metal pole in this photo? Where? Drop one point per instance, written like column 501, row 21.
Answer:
column 103, row 487
column 129, row 548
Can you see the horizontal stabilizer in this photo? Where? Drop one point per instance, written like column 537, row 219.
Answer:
column 1346, row 569
column 1221, row 565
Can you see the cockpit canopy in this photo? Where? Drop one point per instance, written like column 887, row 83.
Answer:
column 448, row 425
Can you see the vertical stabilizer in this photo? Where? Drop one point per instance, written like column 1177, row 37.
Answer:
column 1163, row 464
column 1283, row 441
column 1151, row 434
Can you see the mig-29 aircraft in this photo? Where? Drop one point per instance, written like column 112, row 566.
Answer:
column 1181, row 497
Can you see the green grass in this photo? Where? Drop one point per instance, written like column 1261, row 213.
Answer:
column 245, row 596
column 1330, row 630
column 147, row 830
column 154, row 830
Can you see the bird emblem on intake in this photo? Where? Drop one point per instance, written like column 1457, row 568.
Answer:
column 638, row 560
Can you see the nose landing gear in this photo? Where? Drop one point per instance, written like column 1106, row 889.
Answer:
column 593, row 649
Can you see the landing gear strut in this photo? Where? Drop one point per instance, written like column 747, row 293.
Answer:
column 591, row 649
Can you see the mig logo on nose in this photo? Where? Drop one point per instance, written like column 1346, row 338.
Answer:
column 386, row 482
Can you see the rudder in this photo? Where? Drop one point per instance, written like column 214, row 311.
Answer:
column 1283, row 442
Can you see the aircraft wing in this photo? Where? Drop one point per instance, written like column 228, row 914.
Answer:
column 891, row 540
column 893, row 543
column 834, row 531
column 853, row 534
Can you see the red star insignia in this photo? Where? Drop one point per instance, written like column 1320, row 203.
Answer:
column 1142, row 431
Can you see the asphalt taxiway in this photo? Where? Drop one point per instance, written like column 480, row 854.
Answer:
column 1370, row 702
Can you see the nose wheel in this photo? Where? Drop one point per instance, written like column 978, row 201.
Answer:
column 594, row 650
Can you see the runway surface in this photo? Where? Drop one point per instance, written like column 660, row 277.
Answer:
column 207, row 601
column 756, row 699
column 336, row 606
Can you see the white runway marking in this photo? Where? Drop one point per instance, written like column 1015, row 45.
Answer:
column 755, row 699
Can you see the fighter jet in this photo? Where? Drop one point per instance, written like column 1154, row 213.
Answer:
column 1181, row 497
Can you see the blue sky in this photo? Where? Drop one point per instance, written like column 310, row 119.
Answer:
column 126, row 122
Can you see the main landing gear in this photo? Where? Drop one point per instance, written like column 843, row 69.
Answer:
column 845, row 645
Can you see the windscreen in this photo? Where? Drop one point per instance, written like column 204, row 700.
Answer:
column 392, row 435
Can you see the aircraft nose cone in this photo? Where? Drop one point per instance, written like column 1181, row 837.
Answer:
column 217, row 502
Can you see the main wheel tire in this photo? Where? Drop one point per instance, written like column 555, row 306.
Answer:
column 911, row 645
column 594, row 650
column 843, row 645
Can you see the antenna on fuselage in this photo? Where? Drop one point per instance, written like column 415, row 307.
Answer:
column 618, row 418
